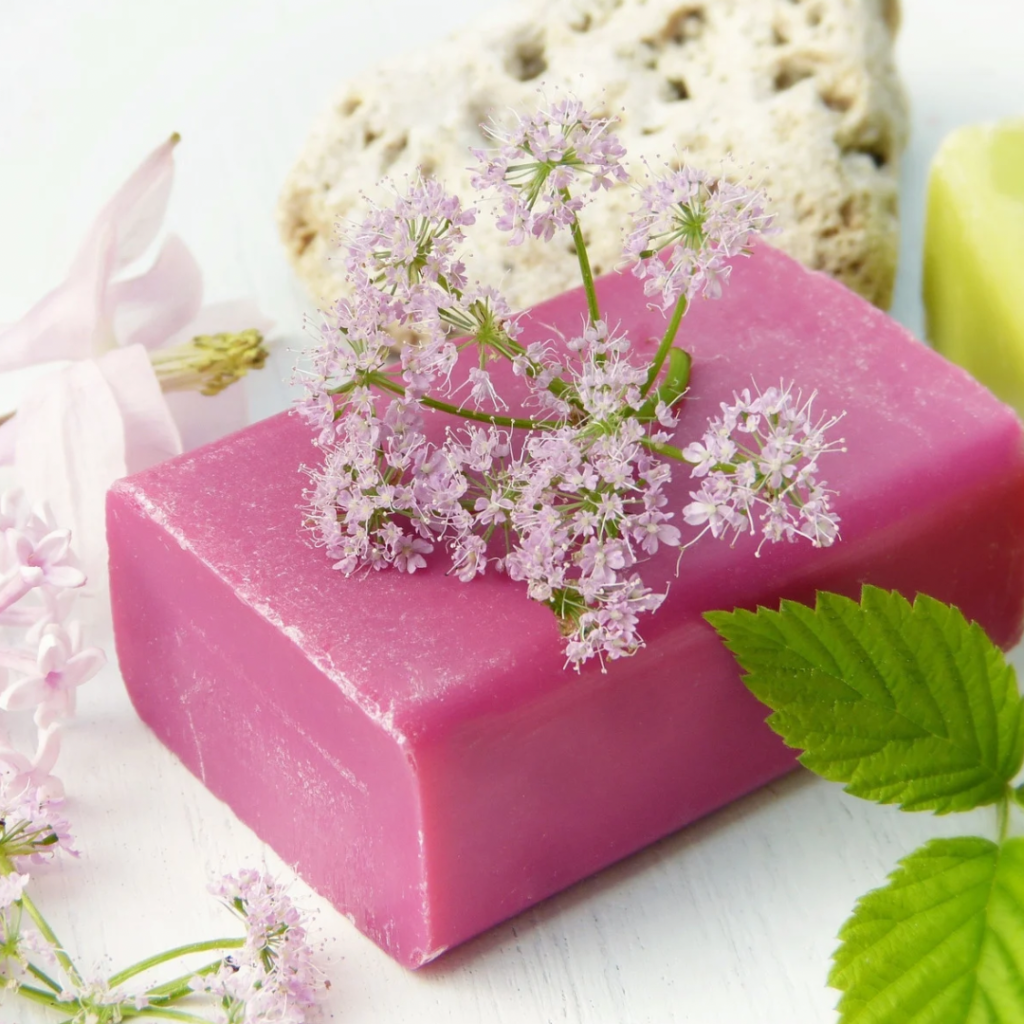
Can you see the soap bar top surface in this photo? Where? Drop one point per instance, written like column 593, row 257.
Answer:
column 421, row 652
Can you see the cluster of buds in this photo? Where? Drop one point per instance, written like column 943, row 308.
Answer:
column 566, row 491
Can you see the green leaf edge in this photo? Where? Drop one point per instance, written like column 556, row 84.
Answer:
column 875, row 900
column 719, row 621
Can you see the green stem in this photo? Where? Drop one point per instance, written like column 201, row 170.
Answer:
column 668, row 450
column 173, row 954
column 6, row 868
column 469, row 414
column 666, row 344
column 37, row 995
column 1003, row 818
column 43, row 977
column 160, row 1013
column 174, row 989
column 585, row 272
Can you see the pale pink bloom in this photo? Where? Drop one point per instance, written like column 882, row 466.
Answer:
column 36, row 772
column 48, row 560
column 103, row 414
column 61, row 666
column 11, row 888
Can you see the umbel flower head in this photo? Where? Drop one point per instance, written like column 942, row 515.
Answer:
column 539, row 161
column 570, row 496
column 702, row 222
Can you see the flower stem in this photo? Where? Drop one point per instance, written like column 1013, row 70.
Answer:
column 666, row 344
column 470, row 414
column 6, row 868
column 43, row 977
column 668, row 450
column 37, row 995
column 173, row 954
column 162, row 1013
column 584, row 260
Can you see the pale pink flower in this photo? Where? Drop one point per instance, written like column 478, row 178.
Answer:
column 61, row 665
column 759, row 461
column 11, row 888
column 37, row 772
column 103, row 414
column 700, row 222
column 538, row 161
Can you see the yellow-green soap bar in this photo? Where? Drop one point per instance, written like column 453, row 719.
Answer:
column 974, row 255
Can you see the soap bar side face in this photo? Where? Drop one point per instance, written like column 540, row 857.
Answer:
column 237, row 699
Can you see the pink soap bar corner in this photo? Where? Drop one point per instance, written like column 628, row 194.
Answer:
column 413, row 744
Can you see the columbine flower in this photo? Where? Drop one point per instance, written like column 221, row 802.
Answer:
column 705, row 220
column 539, row 160
column 759, row 461
column 103, row 414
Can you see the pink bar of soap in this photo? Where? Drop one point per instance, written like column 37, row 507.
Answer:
column 413, row 745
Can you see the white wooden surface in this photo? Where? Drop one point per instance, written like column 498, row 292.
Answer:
column 731, row 921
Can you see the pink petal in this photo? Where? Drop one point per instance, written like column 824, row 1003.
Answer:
column 62, row 325
column 26, row 693
column 15, row 758
column 53, row 654
column 73, row 321
column 150, row 433
column 20, row 546
column 47, row 750
column 70, row 449
column 66, row 577
column 82, row 666
column 53, row 547
column 129, row 223
column 154, row 306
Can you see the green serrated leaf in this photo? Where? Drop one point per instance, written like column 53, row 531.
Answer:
column 906, row 704
column 941, row 943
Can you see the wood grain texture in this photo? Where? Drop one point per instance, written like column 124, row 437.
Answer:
column 731, row 921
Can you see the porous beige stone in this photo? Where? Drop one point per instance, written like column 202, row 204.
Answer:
column 802, row 95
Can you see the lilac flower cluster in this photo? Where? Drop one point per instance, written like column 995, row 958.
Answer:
column 32, row 830
column 44, row 658
column 539, row 160
column 271, row 978
column 705, row 220
column 759, row 461
column 571, row 499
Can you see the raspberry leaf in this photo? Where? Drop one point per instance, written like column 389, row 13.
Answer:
column 941, row 943
column 906, row 704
